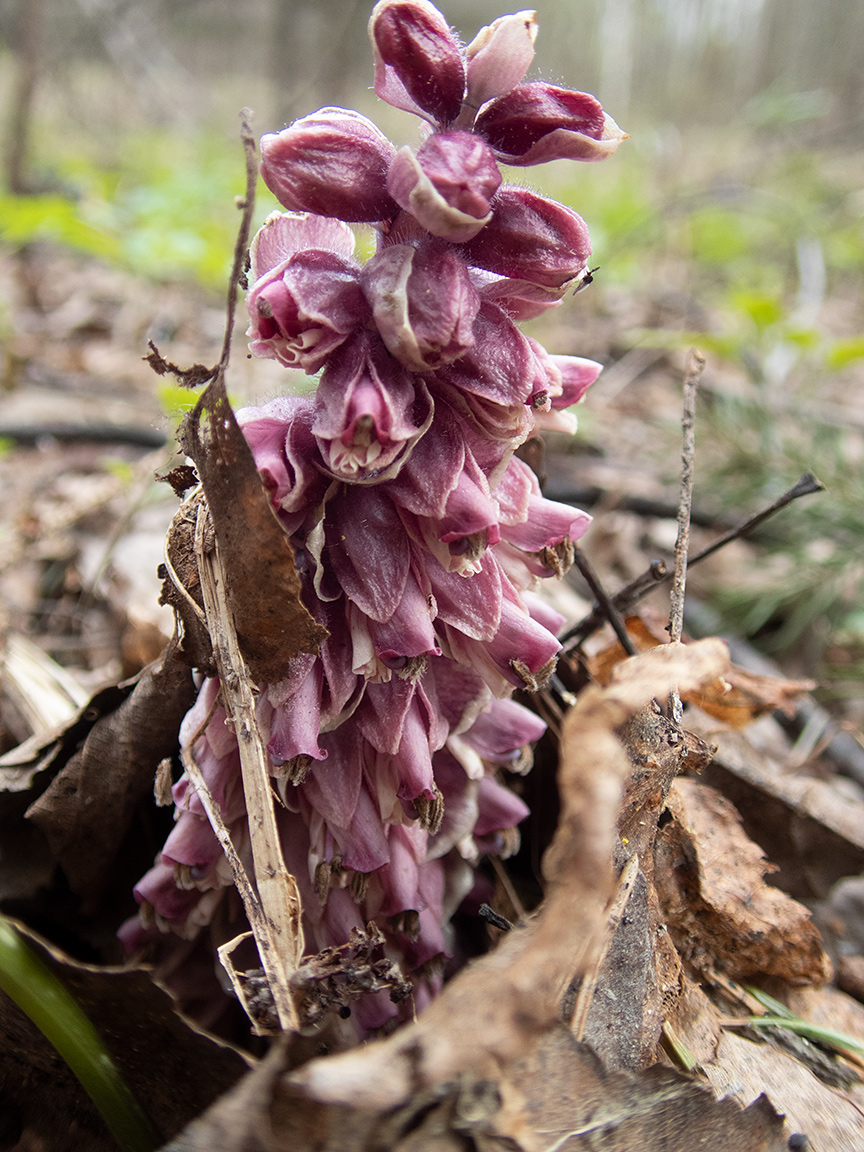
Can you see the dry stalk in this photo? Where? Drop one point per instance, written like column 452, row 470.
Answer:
column 275, row 910
column 695, row 364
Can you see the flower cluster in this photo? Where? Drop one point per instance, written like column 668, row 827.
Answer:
column 418, row 533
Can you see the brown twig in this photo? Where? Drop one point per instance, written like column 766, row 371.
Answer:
column 606, row 605
column 695, row 365
column 656, row 573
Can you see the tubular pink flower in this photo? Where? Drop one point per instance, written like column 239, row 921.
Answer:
column 418, row 62
column 304, row 309
column 537, row 122
column 370, row 411
column 448, row 185
column 423, row 303
column 332, row 163
column 499, row 56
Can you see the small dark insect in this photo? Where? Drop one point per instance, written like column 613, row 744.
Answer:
column 587, row 279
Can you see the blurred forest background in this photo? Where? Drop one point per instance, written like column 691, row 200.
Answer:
column 732, row 219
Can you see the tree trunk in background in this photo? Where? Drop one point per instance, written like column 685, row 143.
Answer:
column 28, row 60
column 317, row 52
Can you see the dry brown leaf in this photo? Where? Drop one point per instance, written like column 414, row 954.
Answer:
column 719, row 910
column 809, row 828
column 555, row 1095
column 263, row 586
column 744, row 1069
column 737, row 698
column 85, row 812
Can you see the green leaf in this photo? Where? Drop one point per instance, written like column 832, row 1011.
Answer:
column 47, row 1002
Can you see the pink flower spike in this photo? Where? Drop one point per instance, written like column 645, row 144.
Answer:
column 538, row 122
column 448, row 185
column 531, row 238
column 499, row 56
column 332, row 163
column 423, row 303
column 418, row 63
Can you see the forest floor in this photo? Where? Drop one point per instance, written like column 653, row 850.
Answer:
column 84, row 427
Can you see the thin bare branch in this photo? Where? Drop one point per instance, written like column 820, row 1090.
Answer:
column 606, row 605
column 695, row 365
column 656, row 573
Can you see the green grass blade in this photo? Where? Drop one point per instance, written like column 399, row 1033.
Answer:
column 42, row 996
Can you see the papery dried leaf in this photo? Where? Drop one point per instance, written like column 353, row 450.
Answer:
column 637, row 986
column 561, row 1088
column 86, row 810
column 263, row 586
column 810, row 829
column 737, row 698
column 171, row 1066
column 181, row 588
column 719, row 909
column 746, row 1070
column 553, row 1089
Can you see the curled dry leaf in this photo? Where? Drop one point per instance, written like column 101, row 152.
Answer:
column 720, row 911
column 745, row 1070
column 738, row 697
column 809, row 828
column 263, row 587
column 86, row 810
column 554, row 1094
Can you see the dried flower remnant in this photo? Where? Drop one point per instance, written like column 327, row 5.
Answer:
column 418, row 534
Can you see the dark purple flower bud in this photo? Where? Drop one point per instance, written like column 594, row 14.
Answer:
column 499, row 56
column 531, row 238
column 332, row 163
column 448, row 185
column 304, row 308
column 370, row 411
column 418, row 63
column 538, row 122
column 423, row 303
